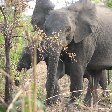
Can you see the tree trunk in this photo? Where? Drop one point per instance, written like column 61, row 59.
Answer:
column 8, row 83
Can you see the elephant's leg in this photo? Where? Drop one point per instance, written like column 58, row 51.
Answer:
column 76, row 78
column 97, row 75
column 88, row 97
column 103, row 80
column 51, row 98
column 56, row 91
column 103, row 83
column 92, row 87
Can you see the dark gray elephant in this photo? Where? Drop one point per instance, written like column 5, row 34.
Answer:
column 63, row 68
column 86, row 31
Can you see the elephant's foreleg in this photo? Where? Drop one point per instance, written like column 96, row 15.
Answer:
column 76, row 78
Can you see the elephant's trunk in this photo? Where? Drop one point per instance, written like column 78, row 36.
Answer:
column 52, row 71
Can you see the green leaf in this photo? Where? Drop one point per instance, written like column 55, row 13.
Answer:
column 2, row 109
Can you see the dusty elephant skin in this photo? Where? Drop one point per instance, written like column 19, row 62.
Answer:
column 63, row 68
column 89, row 28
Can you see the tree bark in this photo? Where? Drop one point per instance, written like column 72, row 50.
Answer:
column 8, row 83
column 7, row 37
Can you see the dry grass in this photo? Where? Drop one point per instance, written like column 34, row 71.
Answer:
column 103, row 106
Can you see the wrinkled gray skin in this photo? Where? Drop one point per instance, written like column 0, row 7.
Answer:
column 63, row 68
column 90, row 29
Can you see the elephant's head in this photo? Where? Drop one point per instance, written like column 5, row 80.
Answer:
column 59, row 21
column 75, row 22
column 41, row 10
column 26, row 57
column 25, row 60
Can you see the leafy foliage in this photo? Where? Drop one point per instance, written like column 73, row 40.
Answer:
column 109, row 3
column 97, row 1
column 2, row 109
column 20, row 28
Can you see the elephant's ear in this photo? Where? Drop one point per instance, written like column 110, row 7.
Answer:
column 41, row 10
column 83, row 29
column 85, row 19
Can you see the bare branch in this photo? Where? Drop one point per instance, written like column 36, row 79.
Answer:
column 6, row 74
column 17, row 36
column 17, row 96
column 2, row 10
column 3, row 103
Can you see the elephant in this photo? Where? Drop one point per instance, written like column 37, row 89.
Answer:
column 85, row 29
column 62, row 69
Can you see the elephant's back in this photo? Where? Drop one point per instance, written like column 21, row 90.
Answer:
column 104, row 14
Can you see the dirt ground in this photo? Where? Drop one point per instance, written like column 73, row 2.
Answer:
column 103, row 105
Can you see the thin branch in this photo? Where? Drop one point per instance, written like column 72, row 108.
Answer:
column 5, row 19
column 6, row 74
column 17, row 96
column 17, row 36
column 3, row 103
column 13, row 101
